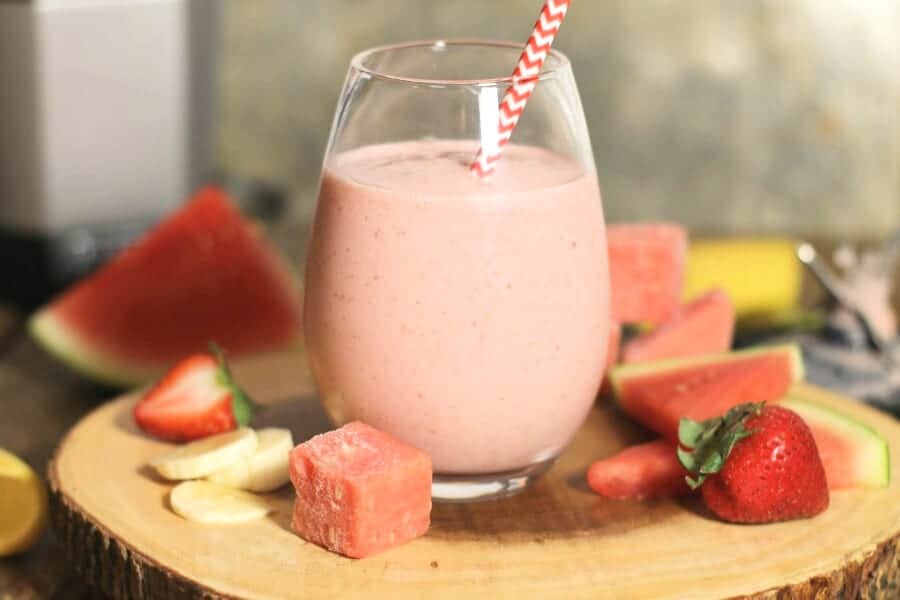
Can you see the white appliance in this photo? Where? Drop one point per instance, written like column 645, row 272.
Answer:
column 105, row 125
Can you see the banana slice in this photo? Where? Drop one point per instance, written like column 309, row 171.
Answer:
column 199, row 459
column 266, row 469
column 212, row 503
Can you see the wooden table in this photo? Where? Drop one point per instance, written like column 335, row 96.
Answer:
column 39, row 401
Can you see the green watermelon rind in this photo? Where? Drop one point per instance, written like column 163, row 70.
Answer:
column 61, row 341
column 622, row 373
column 874, row 461
column 95, row 356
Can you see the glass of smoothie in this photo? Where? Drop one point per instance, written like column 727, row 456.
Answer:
column 465, row 315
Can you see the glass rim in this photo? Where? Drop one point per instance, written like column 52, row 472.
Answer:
column 357, row 63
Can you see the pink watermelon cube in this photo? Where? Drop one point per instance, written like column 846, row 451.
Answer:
column 360, row 491
column 646, row 270
column 703, row 326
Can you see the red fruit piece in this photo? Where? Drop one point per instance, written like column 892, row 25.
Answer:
column 360, row 491
column 659, row 394
column 703, row 326
column 757, row 464
column 649, row 470
column 204, row 273
column 646, row 270
column 196, row 399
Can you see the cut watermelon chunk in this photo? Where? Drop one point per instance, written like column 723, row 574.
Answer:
column 646, row 271
column 659, row 394
column 854, row 454
column 360, row 491
column 204, row 274
column 640, row 472
column 703, row 326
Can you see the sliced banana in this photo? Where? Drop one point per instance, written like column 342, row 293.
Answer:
column 213, row 503
column 266, row 469
column 199, row 459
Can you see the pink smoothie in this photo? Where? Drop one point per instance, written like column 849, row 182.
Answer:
column 468, row 318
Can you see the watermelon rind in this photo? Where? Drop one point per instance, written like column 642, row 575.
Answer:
column 72, row 327
column 62, row 342
column 622, row 373
column 873, row 459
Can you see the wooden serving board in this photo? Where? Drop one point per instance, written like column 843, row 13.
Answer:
column 556, row 540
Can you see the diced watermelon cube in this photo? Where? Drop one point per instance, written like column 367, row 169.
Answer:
column 646, row 270
column 360, row 491
column 703, row 326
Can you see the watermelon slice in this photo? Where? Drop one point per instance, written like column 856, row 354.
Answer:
column 646, row 271
column 854, row 454
column 703, row 326
column 640, row 472
column 659, row 394
column 204, row 274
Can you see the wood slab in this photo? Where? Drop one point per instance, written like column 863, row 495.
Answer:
column 555, row 540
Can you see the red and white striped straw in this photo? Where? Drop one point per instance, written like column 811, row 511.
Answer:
column 524, row 79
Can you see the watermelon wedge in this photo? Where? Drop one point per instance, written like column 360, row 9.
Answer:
column 204, row 274
column 702, row 326
column 640, row 472
column 659, row 394
column 646, row 270
column 853, row 453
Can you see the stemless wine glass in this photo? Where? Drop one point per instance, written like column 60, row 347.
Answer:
column 468, row 317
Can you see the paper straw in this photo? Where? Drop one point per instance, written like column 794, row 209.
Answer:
column 524, row 80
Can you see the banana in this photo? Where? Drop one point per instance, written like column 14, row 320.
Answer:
column 204, row 457
column 266, row 469
column 761, row 275
column 213, row 503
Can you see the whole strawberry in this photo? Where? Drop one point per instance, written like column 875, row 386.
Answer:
column 757, row 464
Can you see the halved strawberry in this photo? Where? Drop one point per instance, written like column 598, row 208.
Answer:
column 196, row 399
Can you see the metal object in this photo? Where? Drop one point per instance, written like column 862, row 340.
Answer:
column 865, row 290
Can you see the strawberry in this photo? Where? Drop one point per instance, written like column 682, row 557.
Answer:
column 757, row 464
column 196, row 399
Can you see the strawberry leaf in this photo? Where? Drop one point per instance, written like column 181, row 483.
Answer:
column 712, row 463
column 689, row 432
column 705, row 446
column 687, row 460
column 241, row 404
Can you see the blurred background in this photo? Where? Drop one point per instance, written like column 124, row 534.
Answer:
column 726, row 115
column 730, row 117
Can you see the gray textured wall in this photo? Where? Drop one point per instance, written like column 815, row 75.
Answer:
column 728, row 115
